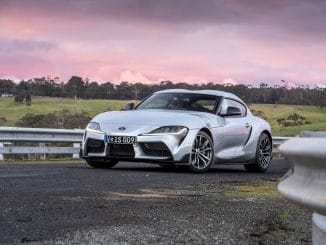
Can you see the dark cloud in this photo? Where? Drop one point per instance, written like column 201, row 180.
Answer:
column 20, row 45
column 300, row 17
column 295, row 13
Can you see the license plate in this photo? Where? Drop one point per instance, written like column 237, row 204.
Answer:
column 113, row 139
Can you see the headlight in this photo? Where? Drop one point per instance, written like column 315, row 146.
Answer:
column 93, row 126
column 170, row 130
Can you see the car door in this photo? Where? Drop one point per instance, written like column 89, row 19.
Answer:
column 237, row 127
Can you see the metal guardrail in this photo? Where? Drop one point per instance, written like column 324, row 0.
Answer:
column 277, row 141
column 9, row 135
column 306, row 182
column 42, row 136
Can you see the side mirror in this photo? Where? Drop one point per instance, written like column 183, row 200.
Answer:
column 128, row 107
column 232, row 111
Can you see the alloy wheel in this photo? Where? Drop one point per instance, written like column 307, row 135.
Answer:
column 264, row 151
column 202, row 152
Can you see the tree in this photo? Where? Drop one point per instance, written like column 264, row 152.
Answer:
column 75, row 87
column 6, row 86
column 124, row 91
column 91, row 90
column 107, row 91
column 19, row 98
column 28, row 99
column 23, row 93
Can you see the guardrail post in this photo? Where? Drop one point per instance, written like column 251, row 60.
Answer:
column 76, row 145
column 1, row 155
column 306, row 185
column 42, row 156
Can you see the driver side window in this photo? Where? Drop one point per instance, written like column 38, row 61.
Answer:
column 232, row 103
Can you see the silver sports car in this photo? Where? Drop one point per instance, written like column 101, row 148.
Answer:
column 194, row 128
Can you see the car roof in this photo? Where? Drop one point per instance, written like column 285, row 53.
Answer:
column 203, row 91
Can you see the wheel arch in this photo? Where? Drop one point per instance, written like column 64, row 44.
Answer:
column 269, row 135
column 252, row 165
column 207, row 131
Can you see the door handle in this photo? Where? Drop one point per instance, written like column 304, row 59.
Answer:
column 248, row 125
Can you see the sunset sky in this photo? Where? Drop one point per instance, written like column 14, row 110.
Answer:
column 150, row 40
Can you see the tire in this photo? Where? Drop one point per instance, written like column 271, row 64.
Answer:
column 202, row 153
column 101, row 163
column 263, row 155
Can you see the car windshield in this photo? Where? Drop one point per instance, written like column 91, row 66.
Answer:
column 181, row 101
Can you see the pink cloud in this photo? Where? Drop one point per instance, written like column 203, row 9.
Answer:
column 182, row 40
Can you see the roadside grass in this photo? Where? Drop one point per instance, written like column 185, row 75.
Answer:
column 282, row 226
column 43, row 105
column 260, row 189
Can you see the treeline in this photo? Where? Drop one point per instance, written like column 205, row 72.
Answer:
column 76, row 87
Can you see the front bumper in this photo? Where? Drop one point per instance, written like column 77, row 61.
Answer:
column 162, row 148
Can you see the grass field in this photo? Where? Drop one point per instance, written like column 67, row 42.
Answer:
column 12, row 111
column 314, row 114
column 43, row 105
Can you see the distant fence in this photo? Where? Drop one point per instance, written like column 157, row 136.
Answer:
column 9, row 136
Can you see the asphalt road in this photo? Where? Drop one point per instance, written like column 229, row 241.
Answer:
column 134, row 203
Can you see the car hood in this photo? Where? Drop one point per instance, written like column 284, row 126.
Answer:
column 156, row 118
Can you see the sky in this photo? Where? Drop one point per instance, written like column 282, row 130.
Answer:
column 195, row 41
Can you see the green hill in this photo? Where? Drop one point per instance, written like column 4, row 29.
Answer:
column 315, row 115
column 43, row 105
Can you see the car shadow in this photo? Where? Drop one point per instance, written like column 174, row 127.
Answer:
column 278, row 168
column 183, row 169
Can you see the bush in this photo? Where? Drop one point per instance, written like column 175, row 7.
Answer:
column 23, row 97
column 19, row 98
column 3, row 121
column 292, row 120
column 58, row 119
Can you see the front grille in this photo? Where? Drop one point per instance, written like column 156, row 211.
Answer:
column 94, row 146
column 157, row 149
column 121, row 150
